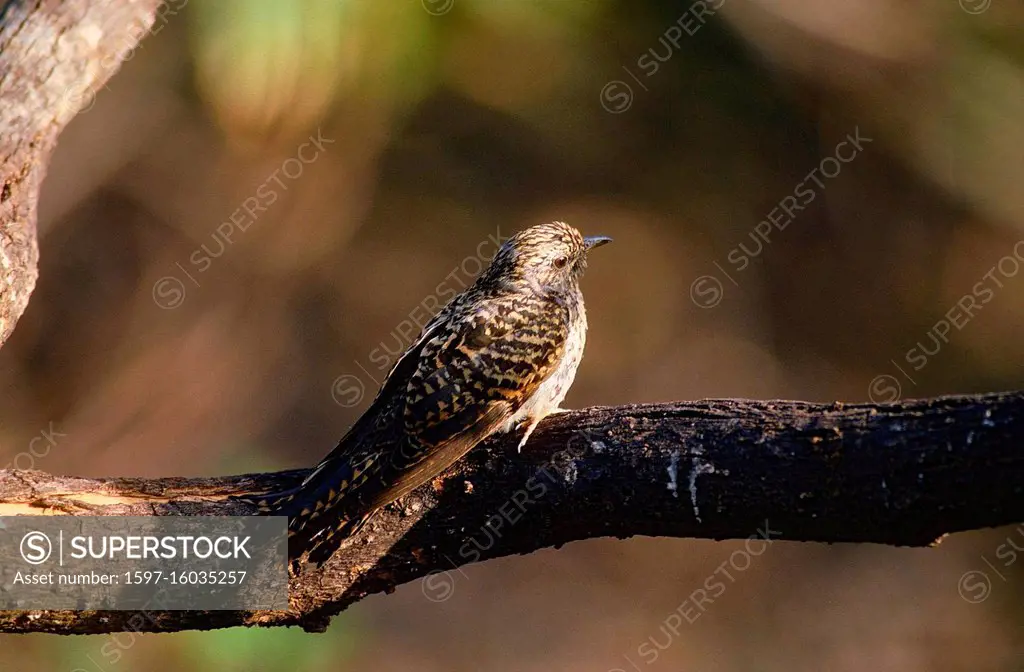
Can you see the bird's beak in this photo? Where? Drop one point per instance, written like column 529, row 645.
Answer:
column 590, row 242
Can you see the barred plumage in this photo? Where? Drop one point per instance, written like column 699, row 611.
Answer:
column 498, row 356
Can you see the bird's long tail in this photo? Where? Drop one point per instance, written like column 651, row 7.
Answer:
column 318, row 522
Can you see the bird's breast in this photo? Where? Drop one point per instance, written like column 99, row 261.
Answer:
column 549, row 394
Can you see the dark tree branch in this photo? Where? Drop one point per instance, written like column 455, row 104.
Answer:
column 54, row 55
column 900, row 474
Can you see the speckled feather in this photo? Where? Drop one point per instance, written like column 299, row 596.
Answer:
column 501, row 354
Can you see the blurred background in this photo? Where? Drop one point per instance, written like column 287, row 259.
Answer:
column 244, row 227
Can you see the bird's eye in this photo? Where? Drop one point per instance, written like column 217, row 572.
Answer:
column 560, row 262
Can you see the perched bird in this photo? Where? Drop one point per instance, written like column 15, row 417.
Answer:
column 499, row 356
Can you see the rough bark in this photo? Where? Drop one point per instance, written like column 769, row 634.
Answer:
column 901, row 474
column 54, row 55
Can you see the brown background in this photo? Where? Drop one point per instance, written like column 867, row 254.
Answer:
column 490, row 116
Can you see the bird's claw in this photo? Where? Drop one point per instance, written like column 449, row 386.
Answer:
column 526, row 436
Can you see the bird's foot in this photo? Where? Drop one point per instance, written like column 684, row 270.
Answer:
column 526, row 436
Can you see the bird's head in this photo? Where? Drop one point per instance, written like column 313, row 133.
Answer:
column 549, row 256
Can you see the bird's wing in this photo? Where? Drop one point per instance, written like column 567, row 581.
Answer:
column 471, row 379
column 462, row 381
